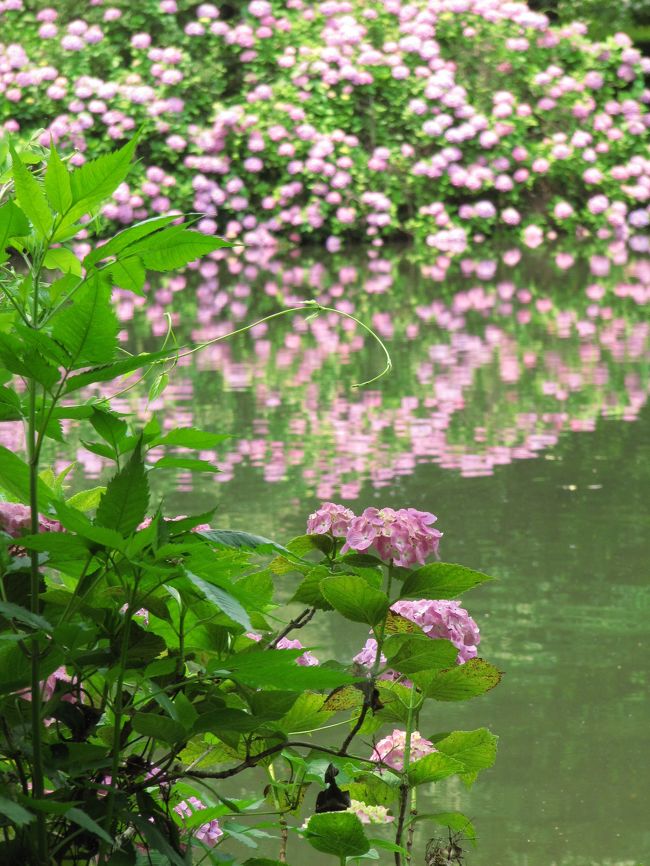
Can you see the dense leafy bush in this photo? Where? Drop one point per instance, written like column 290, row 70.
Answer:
column 432, row 119
column 144, row 659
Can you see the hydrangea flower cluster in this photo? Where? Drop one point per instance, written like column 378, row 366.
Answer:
column 15, row 520
column 404, row 537
column 295, row 154
column 390, row 750
column 443, row 619
column 208, row 833
column 370, row 814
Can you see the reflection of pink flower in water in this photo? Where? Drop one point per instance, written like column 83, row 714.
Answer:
column 208, row 833
column 390, row 750
column 443, row 619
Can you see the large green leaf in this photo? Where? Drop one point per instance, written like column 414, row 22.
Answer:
column 15, row 611
column 355, row 599
column 223, row 600
column 337, row 833
column 30, row 197
column 129, row 274
column 13, row 224
column 241, row 540
column 190, row 437
column 410, row 654
column 79, row 817
column 57, row 183
column 15, row 813
column 174, row 248
column 14, row 479
column 309, row 591
column 277, row 669
column 124, row 239
column 474, row 677
column 61, row 259
column 110, row 427
column 433, row 768
column 158, row 727
column 124, row 504
column 97, row 179
column 87, row 328
column 108, row 372
column 441, row 580
column 192, row 464
column 476, row 749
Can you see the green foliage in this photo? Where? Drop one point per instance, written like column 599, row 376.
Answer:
column 131, row 680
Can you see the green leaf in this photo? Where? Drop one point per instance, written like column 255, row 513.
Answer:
column 223, row 600
column 263, row 861
column 193, row 464
column 307, row 714
column 158, row 727
column 124, row 505
column 277, row 669
column 14, row 479
column 110, row 427
column 30, row 197
column 375, row 790
column 98, row 179
column 129, row 274
column 75, row 521
column 455, row 821
column 122, row 240
column 15, row 611
column 57, row 183
column 190, row 437
column 337, row 833
column 410, row 654
column 441, row 580
column 87, row 328
column 355, row 599
column 15, row 813
column 241, row 540
column 309, row 591
column 175, row 247
column 13, row 224
column 85, row 821
column 476, row 749
column 61, row 259
column 474, row 677
column 87, row 500
column 433, row 768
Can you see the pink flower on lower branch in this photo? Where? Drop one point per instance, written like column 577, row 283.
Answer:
column 208, row 833
column 391, row 749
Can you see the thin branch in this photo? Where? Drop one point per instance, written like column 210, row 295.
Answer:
column 299, row 622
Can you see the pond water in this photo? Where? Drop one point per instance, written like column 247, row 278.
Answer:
column 517, row 413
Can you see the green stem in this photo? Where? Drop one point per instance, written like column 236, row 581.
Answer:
column 404, row 786
column 35, row 580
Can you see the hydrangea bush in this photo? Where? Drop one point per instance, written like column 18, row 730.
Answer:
column 145, row 660
column 433, row 119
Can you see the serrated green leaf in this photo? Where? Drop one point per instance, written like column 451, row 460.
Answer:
column 14, row 479
column 307, row 714
column 61, row 259
column 87, row 500
column 13, row 224
column 57, row 183
column 223, row 600
column 129, row 273
column 14, row 611
column 277, row 668
column 441, row 580
column 477, row 750
column 193, row 464
column 97, row 179
column 87, row 327
column 309, row 592
column 124, row 504
column 241, row 540
column 433, row 768
column 410, row 654
column 190, row 437
column 355, row 599
column 108, row 372
column 468, row 680
column 158, row 727
column 110, row 427
column 175, row 247
column 124, row 239
column 30, row 197
column 337, row 833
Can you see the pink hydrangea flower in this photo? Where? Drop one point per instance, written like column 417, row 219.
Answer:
column 443, row 619
column 390, row 750
column 330, row 518
column 404, row 536
column 370, row 814
column 306, row 660
column 15, row 520
column 208, row 833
